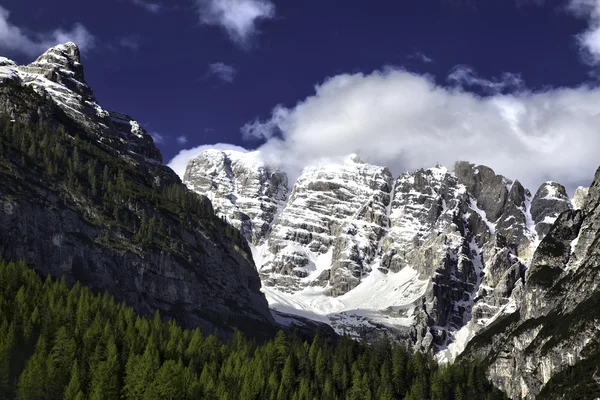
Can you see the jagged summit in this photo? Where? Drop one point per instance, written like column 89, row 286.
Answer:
column 66, row 54
column 58, row 76
column 243, row 188
column 433, row 255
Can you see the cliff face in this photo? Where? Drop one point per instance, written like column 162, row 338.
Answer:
column 551, row 342
column 431, row 257
column 84, row 195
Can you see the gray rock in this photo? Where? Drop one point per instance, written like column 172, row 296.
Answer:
column 555, row 323
column 243, row 189
column 488, row 188
column 550, row 200
column 581, row 197
column 207, row 281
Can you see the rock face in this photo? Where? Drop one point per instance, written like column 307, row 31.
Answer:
column 550, row 200
column 432, row 256
column 550, row 343
column 336, row 213
column 241, row 187
column 58, row 76
column 191, row 267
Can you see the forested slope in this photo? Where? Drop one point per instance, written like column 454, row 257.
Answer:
column 58, row 342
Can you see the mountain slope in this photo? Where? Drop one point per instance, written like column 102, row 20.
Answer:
column 552, row 338
column 83, row 194
column 430, row 257
column 61, row 342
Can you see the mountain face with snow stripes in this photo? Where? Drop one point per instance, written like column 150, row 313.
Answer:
column 430, row 257
column 81, row 208
column 58, row 75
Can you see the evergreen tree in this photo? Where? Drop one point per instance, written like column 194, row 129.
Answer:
column 74, row 388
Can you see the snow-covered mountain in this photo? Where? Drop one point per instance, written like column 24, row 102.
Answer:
column 55, row 218
column 431, row 257
column 58, row 76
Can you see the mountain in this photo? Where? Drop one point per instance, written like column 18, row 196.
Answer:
column 84, row 195
column 550, row 343
column 430, row 257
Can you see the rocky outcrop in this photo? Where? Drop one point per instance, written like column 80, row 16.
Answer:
column 554, row 327
column 58, row 76
column 580, row 198
column 190, row 265
column 549, row 201
column 242, row 188
column 336, row 212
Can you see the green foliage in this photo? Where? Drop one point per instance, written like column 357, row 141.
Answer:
column 58, row 342
column 110, row 191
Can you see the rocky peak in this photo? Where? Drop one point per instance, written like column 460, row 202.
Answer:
column 58, row 76
column 148, row 242
column 581, row 197
column 5, row 62
column 243, row 189
column 552, row 330
column 549, row 201
column 62, row 64
column 490, row 190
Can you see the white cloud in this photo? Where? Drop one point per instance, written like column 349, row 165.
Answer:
column 424, row 58
column 131, row 42
column 465, row 77
column 182, row 139
column 150, row 7
column 589, row 40
column 180, row 161
column 13, row 38
column 237, row 17
column 157, row 137
column 224, row 72
column 407, row 121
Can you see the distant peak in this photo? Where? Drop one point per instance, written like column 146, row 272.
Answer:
column 355, row 158
column 68, row 50
column 5, row 62
column 62, row 64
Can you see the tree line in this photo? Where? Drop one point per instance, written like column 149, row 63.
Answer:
column 61, row 342
column 111, row 192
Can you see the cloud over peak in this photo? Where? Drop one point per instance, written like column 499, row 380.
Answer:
column 407, row 121
column 238, row 17
column 14, row 39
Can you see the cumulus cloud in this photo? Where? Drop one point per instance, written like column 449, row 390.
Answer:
column 14, row 39
column 180, row 161
column 589, row 40
column 238, row 17
column 407, row 121
column 222, row 71
column 150, row 7
column 182, row 139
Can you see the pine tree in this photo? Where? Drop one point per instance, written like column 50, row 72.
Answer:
column 169, row 383
column 33, row 382
column 74, row 388
column 140, row 372
column 61, row 361
column 105, row 375
column 7, row 347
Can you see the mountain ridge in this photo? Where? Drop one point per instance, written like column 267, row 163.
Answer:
column 396, row 224
column 100, row 207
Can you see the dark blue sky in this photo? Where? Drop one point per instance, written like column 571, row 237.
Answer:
column 164, row 82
